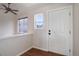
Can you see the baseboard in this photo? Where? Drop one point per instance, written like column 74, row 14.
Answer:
column 31, row 48
column 23, row 51
column 40, row 48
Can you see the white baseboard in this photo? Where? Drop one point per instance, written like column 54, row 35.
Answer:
column 40, row 48
column 23, row 51
column 29, row 49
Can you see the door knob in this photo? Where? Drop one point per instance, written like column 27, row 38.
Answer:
column 49, row 33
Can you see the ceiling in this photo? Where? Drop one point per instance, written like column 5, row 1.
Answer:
column 25, row 7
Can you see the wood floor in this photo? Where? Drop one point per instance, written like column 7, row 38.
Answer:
column 37, row 52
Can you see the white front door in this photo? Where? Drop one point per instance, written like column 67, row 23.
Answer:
column 60, row 31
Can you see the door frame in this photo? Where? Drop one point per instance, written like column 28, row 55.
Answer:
column 71, row 40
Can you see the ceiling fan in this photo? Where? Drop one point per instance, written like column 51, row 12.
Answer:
column 9, row 9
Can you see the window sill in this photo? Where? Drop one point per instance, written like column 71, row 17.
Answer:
column 21, row 34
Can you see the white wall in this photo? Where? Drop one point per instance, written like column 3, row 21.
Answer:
column 14, row 45
column 6, row 24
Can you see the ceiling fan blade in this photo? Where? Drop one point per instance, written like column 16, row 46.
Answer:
column 15, row 10
column 4, row 6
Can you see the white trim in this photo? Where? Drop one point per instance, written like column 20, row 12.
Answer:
column 23, row 51
column 63, row 7
column 40, row 48
column 38, row 14
column 71, row 31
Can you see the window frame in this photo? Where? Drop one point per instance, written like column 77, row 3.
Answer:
column 35, row 16
column 18, row 29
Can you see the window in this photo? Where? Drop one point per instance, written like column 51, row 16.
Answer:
column 38, row 21
column 22, row 25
